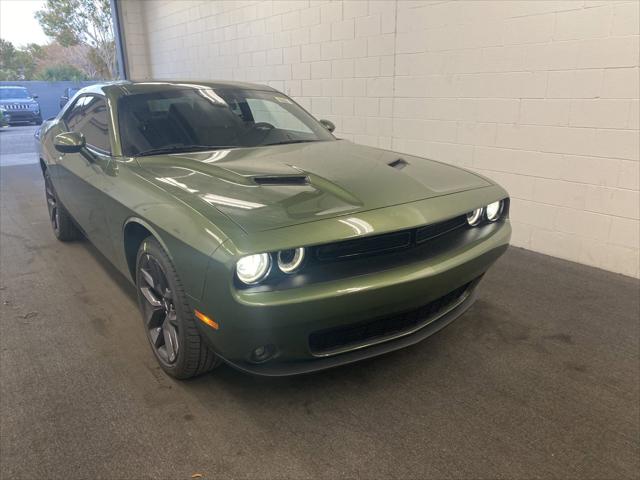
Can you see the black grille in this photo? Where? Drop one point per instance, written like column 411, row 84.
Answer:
column 335, row 339
column 387, row 242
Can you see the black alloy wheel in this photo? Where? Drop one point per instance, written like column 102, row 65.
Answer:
column 63, row 227
column 169, row 320
column 158, row 309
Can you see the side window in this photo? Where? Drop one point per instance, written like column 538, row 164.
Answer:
column 74, row 114
column 89, row 117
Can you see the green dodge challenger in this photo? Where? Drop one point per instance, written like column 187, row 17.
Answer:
column 254, row 236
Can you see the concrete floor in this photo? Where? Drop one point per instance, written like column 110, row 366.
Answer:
column 17, row 145
column 539, row 379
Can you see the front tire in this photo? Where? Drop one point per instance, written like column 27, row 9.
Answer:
column 61, row 222
column 168, row 319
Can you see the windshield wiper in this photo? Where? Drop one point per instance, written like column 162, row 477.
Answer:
column 287, row 142
column 182, row 149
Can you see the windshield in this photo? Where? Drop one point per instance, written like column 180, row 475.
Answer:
column 14, row 92
column 201, row 118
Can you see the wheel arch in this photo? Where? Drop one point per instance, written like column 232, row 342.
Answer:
column 134, row 232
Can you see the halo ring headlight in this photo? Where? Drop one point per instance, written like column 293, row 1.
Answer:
column 253, row 268
column 290, row 260
column 474, row 217
column 494, row 210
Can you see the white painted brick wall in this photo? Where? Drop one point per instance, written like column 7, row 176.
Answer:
column 542, row 96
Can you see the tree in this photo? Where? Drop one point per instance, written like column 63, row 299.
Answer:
column 83, row 22
column 62, row 72
column 18, row 64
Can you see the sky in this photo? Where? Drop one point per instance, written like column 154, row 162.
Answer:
column 17, row 23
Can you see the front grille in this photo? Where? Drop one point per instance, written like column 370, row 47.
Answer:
column 387, row 242
column 341, row 338
column 16, row 106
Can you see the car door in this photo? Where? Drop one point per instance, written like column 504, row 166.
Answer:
column 83, row 177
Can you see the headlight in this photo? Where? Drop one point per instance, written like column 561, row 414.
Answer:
column 253, row 268
column 473, row 218
column 493, row 211
column 290, row 260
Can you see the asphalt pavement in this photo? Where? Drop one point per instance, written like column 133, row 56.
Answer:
column 540, row 379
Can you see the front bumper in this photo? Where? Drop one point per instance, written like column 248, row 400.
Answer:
column 20, row 116
column 287, row 319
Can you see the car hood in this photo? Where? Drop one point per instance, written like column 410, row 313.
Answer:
column 28, row 101
column 264, row 188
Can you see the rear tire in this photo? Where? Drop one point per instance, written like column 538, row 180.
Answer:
column 61, row 222
column 168, row 318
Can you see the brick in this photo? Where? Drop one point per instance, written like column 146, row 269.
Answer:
column 368, row 26
column 291, row 55
column 556, row 244
column 544, row 112
column 529, row 29
column 342, row 68
column 311, row 52
column 529, row 163
column 354, row 8
column 321, row 69
column 625, row 232
column 320, row 33
column 356, row 48
column 582, row 24
column 355, row 87
column 621, row 83
column 560, row 193
column 274, row 56
column 367, row 67
column 342, row 30
column 497, row 110
column 321, row 105
column 599, row 113
column 331, row 12
column 608, row 52
column 312, row 88
column 625, row 19
column 342, row 106
column 331, row 50
column 301, row 71
column 575, row 84
column 613, row 201
column 332, row 87
column 610, row 257
column 629, row 175
column 591, row 170
column 367, row 107
column 310, row 16
column 583, row 224
column 623, row 144
column 381, row 45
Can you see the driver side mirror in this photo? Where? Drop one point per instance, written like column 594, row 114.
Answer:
column 69, row 142
column 34, row 96
column 328, row 124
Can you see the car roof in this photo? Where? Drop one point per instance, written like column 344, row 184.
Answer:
column 13, row 86
column 125, row 87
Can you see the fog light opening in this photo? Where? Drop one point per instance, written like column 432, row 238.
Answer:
column 263, row 353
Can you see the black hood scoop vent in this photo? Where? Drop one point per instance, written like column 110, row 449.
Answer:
column 398, row 164
column 282, row 180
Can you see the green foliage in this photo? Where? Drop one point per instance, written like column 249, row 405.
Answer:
column 82, row 22
column 18, row 64
column 62, row 72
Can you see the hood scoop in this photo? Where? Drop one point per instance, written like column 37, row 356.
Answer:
column 398, row 164
column 282, row 180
